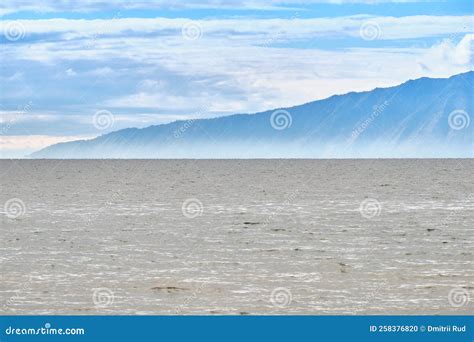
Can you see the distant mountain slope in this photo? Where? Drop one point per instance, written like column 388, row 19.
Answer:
column 419, row 118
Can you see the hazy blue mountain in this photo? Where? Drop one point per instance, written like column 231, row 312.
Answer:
column 419, row 118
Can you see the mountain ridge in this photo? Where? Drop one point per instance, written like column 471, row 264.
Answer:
column 398, row 119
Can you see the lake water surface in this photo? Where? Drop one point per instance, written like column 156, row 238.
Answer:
column 236, row 236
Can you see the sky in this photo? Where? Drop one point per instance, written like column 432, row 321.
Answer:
column 76, row 70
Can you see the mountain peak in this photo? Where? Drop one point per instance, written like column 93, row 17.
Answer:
column 426, row 117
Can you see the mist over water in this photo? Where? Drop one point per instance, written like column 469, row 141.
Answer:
column 271, row 150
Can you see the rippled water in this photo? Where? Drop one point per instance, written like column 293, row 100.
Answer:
column 237, row 237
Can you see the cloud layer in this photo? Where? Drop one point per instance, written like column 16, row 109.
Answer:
column 57, row 73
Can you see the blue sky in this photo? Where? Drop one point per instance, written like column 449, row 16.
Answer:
column 152, row 62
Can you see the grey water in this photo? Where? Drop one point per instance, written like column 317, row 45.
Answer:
column 238, row 237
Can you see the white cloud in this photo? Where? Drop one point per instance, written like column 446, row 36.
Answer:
column 237, row 65
column 70, row 72
column 152, row 100
column 447, row 57
column 34, row 142
column 245, row 29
